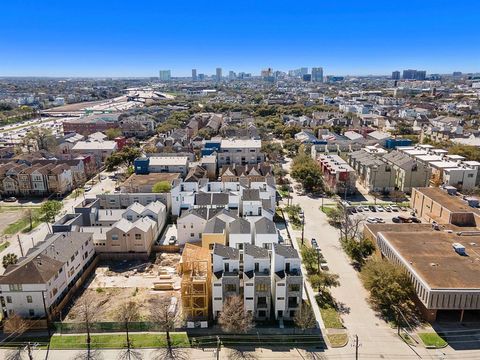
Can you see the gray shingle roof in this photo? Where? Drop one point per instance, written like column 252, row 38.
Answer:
column 226, row 252
column 215, row 226
column 240, row 226
column 285, row 251
column 265, row 226
column 255, row 251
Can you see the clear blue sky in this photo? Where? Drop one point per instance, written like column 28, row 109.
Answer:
column 139, row 37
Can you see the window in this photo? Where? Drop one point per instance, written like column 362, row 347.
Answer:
column 29, row 299
column 217, row 284
column 280, row 298
column 15, row 287
column 9, row 299
column 230, row 288
column 31, row 312
column 217, row 298
column 261, row 287
column 470, row 175
column 281, row 284
column 249, row 284
column 72, row 258
column 129, row 217
column 114, row 237
column 138, row 236
column 249, row 298
column 192, row 234
column 294, row 287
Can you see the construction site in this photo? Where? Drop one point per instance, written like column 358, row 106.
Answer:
column 114, row 283
column 195, row 271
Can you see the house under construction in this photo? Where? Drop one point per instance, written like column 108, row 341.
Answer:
column 195, row 270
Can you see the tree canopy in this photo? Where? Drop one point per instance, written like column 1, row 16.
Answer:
column 307, row 171
column 161, row 187
column 390, row 287
column 50, row 209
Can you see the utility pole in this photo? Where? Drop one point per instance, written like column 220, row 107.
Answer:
column 218, row 348
column 20, row 244
column 357, row 345
column 303, row 224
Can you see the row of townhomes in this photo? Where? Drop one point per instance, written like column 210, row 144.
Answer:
column 271, row 281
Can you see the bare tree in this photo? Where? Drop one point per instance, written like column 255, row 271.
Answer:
column 239, row 354
column 305, row 318
column 166, row 317
column 233, row 317
column 88, row 314
column 16, row 325
column 127, row 313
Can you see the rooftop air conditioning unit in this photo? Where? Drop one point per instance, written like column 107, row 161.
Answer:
column 459, row 248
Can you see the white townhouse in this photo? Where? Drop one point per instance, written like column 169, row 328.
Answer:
column 42, row 278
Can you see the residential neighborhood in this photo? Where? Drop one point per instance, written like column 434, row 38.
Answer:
column 300, row 210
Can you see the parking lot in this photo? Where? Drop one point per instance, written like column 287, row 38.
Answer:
column 382, row 213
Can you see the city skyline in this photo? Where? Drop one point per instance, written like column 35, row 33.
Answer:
column 113, row 39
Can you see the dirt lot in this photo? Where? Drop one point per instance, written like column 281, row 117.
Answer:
column 117, row 282
column 9, row 217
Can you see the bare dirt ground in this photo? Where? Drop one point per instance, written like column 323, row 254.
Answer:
column 116, row 283
column 9, row 217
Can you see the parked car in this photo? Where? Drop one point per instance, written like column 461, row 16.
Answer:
column 372, row 220
column 359, row 209
column 387, row 208
column 352, row 209
column 379, row 208
column 324, row 267
column 10, row 199
column 172, row 240
column 394, row 208
column 372, row 208
column 396, row 220
column 87, row 188
column 403, row 208
column 380, row 220
column 313, row 241
column 366, row 208
column 415, row 220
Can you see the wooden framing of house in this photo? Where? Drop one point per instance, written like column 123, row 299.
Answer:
column 196, row 270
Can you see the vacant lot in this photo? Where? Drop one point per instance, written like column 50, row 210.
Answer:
column 9, row 217
column 118, row 282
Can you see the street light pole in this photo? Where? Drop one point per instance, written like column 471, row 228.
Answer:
column 303, row 224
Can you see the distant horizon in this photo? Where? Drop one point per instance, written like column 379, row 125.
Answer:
column 224, row 75
column 119, row 39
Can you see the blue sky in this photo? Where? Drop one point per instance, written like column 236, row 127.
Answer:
column 137, row 38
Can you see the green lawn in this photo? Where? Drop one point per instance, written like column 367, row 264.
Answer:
column 432, row 340
column 331, row 318
column 327, row 209
column 22, row 225
column 4, row 245
column 112, row 341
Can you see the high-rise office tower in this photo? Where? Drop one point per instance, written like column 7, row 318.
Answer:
column 395, row 75
column 307, row 77
column 420, row 75
column 409, row 74
column 219, row 74
column 164, row 75
column 317, row 74
column 232, row 75
column 194, row 74
column 303, row 71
